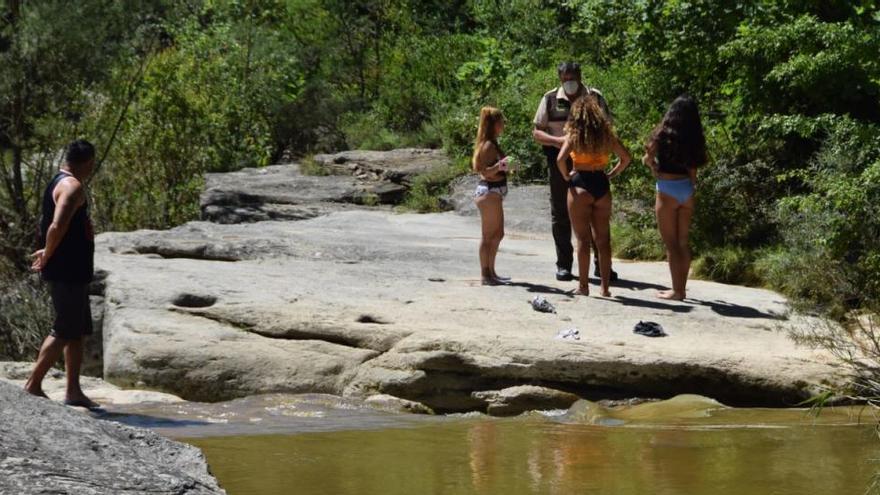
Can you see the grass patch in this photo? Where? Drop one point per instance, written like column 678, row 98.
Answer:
column 427, row 191
column 634, row 242
column 368, row 131
column 369, row 199
column 25, row 318
column 729, row 265
column 309, row 166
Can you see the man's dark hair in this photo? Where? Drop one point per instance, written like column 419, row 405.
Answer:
column 569, row 68
column 79, row 152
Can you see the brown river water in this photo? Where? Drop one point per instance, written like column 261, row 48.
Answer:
column 687, row 445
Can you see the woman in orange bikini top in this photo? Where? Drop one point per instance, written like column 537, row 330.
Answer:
column 589, row 142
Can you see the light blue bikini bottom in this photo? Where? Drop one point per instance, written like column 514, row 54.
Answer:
column 680, row 189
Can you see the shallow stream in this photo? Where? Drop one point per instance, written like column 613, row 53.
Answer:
column 687, row 445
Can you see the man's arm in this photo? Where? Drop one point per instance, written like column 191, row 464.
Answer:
column 539, row 132
column 70, row 197
column 547, row 139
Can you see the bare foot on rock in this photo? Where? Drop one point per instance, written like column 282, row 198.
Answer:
column 37, row 392
column 80, row 400
column 671, row 295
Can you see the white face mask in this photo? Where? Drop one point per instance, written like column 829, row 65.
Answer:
column 570, row 87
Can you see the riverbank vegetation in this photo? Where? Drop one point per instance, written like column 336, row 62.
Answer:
column 790, row 93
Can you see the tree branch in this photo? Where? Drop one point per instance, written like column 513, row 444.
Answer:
column 131, row 92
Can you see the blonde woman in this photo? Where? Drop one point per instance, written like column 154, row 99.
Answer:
column 489, row 161
column 589, row 141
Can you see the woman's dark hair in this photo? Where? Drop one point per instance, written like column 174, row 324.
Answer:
column 679, row 140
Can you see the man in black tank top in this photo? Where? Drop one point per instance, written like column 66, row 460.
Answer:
column 550, row 119
column 66, row 262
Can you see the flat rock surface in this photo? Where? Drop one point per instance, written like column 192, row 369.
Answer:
column 399, row 166
column 353, row 180
column 526, row 208
column 278, row 192
column 48, row 448
column 361, row 302
column 106, row 394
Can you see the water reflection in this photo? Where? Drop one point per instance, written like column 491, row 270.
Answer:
column 524, row 456
column 314, row 444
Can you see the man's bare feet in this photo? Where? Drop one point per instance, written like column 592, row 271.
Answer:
column 492, row 281
column 38, row 392
column 605, row 293
column 81, row 401
column 582, row 291
column 671, row 295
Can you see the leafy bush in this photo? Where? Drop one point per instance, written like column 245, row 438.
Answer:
column 25, row 316
column 425, row 195
column 631, row 241
column 207, row 103
column 730, row 265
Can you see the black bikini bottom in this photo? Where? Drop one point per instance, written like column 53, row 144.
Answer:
column 596, row 183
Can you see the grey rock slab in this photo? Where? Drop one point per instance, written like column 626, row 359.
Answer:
column 49, row 448
column 281, row 184
column 365, row 302
column 398, row 166
column 276, row 192
column 526, row 208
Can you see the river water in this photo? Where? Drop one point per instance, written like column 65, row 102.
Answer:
column 687, row 445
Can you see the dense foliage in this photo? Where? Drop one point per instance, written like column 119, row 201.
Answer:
column 168, row 90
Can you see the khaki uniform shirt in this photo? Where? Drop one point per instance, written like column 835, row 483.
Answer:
column 552, row 120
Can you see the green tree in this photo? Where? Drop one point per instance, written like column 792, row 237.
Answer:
column 54, row 67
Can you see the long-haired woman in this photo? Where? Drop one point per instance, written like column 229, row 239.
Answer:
column 489, row 161
column 674, row 152
column 589, row 142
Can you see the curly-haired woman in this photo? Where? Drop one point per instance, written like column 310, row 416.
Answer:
column 589, row 141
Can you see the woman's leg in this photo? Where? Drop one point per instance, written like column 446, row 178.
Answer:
column 580, row 210
column 666, row 209
column 499, row 235
column 490, row 213
column 685, row 214
column 601, row 221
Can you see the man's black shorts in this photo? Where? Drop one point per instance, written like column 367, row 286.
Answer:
column 73, row 315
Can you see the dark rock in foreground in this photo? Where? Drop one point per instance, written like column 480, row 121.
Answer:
column 49, row 448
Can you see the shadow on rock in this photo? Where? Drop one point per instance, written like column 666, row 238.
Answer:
column 731, row 310
column 640, row 303
column 632, row 284
column 541, row 289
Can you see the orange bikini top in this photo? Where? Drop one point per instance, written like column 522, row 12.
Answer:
column 590, row 161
